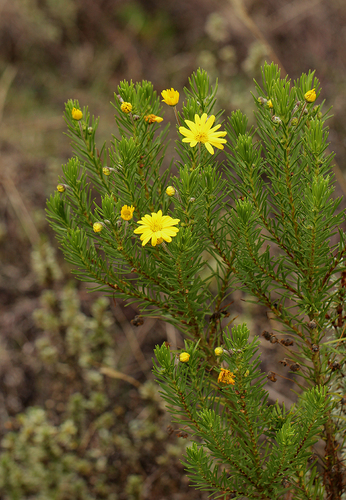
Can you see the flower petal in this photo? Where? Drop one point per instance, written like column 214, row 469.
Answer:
column 209, row 148
column 209, row 123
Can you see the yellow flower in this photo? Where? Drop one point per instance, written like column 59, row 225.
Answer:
column 157, row 227
column 77, row 114
column 184, row 357
column 218, row 351
column 61, row 188
column 153, row 118
column 170, row 97
column 170, row 191
column 310, row 96
column 127, row 212
column 270, row 104
column 97, row 227
column 201, row 131
column 126, row 107
column 106, row 171
column 226, row 377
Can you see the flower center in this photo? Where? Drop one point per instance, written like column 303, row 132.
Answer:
column 156, row 226
column 202, row 137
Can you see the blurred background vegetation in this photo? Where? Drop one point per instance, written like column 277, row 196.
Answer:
column 80, row 417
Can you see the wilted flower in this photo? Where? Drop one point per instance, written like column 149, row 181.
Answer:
column 226, row 377
column 153, row 118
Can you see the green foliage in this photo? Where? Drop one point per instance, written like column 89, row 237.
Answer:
column 236, row 454
column 264, row 221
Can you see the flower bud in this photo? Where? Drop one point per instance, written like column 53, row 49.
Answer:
column 108, row 170
column 170, row 97
column 170, row 191
column 126, row 107
column 61, row 188
column 97, row 227
column 77, row 114
column 90, row 130
column 276, row 120
column 184, row 357
column 262, row 100
column 218, row 351
column 270, row 104
column 310, row 96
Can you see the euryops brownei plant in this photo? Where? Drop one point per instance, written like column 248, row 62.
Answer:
column 263, row 220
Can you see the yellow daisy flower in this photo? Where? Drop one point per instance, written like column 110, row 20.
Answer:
column 157, row 227
column 170, row 97
column 153, row 118
column 127, row 212
column 201, row 131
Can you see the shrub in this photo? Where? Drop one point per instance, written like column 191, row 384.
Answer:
column 262, row 220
